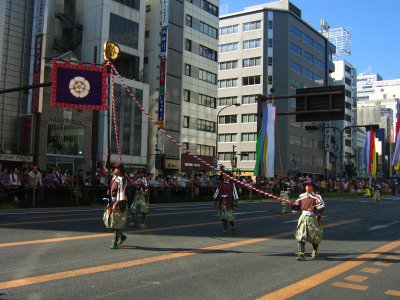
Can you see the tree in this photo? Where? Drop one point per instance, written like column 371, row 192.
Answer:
column 350, row 169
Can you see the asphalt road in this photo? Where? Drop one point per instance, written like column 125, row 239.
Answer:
column 65, row 254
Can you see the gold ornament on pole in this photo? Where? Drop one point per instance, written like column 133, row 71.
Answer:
column 111, row 51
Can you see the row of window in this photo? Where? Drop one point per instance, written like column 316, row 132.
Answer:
column 203, row 125
column 249, row 26
column 203, row 100
column 232, row 119
column 203, row 74
column 248, row 44
column 303, row 141
column 306, row 55
column 203, row 51
column 306, row 159
column 231, row 137
column 135, row 4
column 204, row 28
column 227, row 156
column 307, row 39
column 247, row 99
column 294, row 66
column 208, row 7
column 249, row 80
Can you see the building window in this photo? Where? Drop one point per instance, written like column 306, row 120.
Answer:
column 65, row 139
column 205, row 150
column 308, row 40
column 227, row 138
column 228, row 119
column 270, row 43
column 130, row 121
column 269, row 79
column 228, row 65
column 248, row 156
column 229, row 30
column 207, row 76
column 205, row 125
column 249, row 99
column 147, row 33
column 207, row 101
column 124, row 31
column 252, row 25
column 188, row 20
column 249, row 137
column 308, row 56
column 148, row 8
column 295, row 67
column 270, row 60
column 135, row 4
column 251, row 62
column 186, row 146
column 251, row 80
column 228, row 47
column 186, row 95
column 249, row 118
column 295, row 49
column 251, row 44
column 295, row 31
column 227, row 101
column 270, row 24
column 210, row 8
column 208, row 30
column 294, row 140
column 146, row 60
column 186, row 121
column 208, row 53
column 188, row 69
column 188, row 45
column 227, row 83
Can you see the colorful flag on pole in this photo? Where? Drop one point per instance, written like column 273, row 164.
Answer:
column 78, row 86
column 396, row 154
column 266, row 144
column 370, row 154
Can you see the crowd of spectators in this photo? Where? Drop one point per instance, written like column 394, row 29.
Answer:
column 13, row 181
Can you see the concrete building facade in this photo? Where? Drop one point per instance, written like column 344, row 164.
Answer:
column 181, row 69
column 72, row 30
column 16, row 18
column 263, row 49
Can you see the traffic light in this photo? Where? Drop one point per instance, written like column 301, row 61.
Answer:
column 159, row 164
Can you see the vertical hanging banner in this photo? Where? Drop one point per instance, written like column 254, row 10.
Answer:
column 40, row 16
column 266, row 144
column 163, row 47
column 164, row 13
column 370, row 153
column 396, row 154
column 78, row 86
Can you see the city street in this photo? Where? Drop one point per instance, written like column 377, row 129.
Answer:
column 65, row 254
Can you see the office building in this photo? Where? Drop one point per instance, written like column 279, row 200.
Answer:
column 269, row 49
column 181, row 68
column 15, row 43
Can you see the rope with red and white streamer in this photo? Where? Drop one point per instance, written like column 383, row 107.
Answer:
column 181, row 146
column 115, row 116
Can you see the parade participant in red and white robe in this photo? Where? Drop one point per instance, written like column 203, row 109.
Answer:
column 226, row 199
column 308, row 228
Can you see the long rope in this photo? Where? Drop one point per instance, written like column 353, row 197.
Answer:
column 115, row 118
column 180, row 145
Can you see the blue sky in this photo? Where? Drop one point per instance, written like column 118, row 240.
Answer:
column 373, row 25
